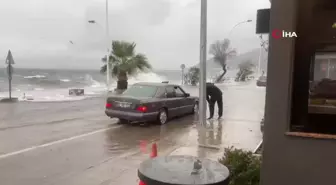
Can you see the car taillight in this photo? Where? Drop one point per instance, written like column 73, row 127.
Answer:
column 108, row 105
column 142, row 109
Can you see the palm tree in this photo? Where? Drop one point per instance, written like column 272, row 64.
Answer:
column 124, row 62
column 221, row 51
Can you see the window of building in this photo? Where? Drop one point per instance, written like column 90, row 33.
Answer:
column 314, row 75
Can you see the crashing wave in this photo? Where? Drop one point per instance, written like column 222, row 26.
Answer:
column 35, row 76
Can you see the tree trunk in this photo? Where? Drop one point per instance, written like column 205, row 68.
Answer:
column 219, row 79
column 122, row 84
column 122, row 81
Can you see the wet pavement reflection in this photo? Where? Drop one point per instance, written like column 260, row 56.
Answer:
column 128, row 136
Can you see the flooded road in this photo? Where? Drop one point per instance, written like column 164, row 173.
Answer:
column 74, row 143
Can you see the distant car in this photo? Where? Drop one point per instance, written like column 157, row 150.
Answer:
column 147, row 102
column 261, row 82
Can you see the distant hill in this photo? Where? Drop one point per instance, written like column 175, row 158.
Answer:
column 252, row 55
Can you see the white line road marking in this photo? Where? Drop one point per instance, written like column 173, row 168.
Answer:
column 52, row 143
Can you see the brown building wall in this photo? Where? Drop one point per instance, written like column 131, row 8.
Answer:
column 289, row 160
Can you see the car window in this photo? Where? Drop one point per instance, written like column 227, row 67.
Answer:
column 141, row 91
column 170, row 92
column 262, row 78
column 178, row 92
column 161, row 92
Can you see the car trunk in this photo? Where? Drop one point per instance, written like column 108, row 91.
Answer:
column 124, row 103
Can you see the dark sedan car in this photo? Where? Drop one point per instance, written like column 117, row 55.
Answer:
column 146, row 102
column 262, row 81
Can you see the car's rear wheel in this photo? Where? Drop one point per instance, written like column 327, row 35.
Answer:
column 123, row 121
column 162, row 117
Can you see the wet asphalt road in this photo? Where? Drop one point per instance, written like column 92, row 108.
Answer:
column 75, row 143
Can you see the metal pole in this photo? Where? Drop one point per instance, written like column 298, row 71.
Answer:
column 10, row 87
column 182, row 77
column 259, row 61
column 9, row 72
column 203, row 53
column 328, row 72
column 108, row 53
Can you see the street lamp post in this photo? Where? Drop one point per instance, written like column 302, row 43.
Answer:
column 203, row 56
column 259, row 59
column 182, row 75
column 263, row 45
column 107, row 46
column 238, row 25
column 108, row 51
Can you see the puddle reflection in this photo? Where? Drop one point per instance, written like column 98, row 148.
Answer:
column 129, row 137
column 209, row 137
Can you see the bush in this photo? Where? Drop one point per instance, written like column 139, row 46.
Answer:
column 193, row 76
column 243, row 165
column 245, row 69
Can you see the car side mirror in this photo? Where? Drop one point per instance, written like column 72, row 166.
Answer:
column 187, row 95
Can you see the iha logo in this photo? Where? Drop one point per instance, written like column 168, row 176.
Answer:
column 277, row 34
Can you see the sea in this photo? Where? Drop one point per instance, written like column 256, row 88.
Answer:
column 52, row 85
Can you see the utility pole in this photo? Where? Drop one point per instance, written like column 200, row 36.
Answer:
column 203, row 57
column 108, row 73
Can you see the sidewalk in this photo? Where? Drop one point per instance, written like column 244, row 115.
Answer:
column 210, row 142
column 220, row 134
column 240, row 128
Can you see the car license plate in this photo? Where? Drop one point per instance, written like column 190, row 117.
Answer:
column 124, row 105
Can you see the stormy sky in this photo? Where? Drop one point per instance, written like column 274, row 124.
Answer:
column 56, row 34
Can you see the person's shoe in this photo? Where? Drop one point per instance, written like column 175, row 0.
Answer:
column 210, row 117
column 220, row 117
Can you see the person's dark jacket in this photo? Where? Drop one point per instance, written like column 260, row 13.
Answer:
column 212, row 92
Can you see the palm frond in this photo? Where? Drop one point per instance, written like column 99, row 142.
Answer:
column 103, row 69
column 114, row 71
column 138, row 63
column 123, row 60
column 103, row 59
column 123, row 49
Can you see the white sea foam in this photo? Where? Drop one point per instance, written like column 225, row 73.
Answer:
column 35, row 76
column 65, row 80
column 93, row 88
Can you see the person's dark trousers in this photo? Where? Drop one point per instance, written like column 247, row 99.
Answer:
column 220, row 106
column 212, row 107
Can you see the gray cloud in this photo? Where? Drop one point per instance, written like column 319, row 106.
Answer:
column 167, row 31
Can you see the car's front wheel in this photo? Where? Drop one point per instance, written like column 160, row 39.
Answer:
column 162, row 117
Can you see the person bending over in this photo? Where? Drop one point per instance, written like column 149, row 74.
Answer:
column 213, row 95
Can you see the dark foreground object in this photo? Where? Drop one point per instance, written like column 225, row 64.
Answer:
column 262, row 81
column 9, row 100
column 182, row 170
